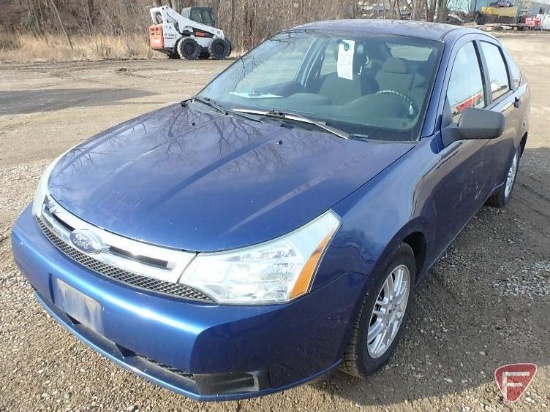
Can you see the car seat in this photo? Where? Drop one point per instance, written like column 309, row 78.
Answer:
column 395, row 75
column 340, row 90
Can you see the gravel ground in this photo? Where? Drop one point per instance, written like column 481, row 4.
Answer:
column 486, row 303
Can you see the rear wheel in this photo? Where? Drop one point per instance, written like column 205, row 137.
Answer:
column 189, row 49
column 230, row 46
column 501, row 198
column 383, row 315
column 219, row 49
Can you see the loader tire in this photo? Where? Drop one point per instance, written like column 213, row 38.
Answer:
column 230, row 46
column 189, row 49
column 219, row 49
column 174, row 54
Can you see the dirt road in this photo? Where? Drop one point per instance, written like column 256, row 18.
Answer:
column 486, row 303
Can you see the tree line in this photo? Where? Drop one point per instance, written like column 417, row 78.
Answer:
column 245, row 22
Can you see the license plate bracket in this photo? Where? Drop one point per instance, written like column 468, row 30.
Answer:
column 77, row 305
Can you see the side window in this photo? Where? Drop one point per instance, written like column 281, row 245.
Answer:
column 498, row 75
column 465, row 85
column 515, row 72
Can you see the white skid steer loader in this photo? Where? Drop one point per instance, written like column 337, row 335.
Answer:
column 187, row 37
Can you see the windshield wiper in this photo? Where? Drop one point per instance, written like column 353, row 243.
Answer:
column 208, row 102
column 278, row 114
column 213, row 104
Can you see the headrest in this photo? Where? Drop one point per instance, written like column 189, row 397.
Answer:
column 395, row 65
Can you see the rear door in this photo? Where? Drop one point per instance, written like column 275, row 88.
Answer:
column 501, row 98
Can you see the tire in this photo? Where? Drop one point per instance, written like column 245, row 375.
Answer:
column 204, row 55
column 502, row 197
column 189, row 49
column 230, row 46
column 175, row 53
column 367, row 354
column 219, row 49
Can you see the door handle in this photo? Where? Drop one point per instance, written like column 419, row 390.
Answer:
column 517, row 102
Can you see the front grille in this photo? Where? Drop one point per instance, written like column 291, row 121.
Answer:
column 167, row 368
column 121, row 275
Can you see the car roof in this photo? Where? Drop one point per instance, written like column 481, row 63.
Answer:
column 420, row 29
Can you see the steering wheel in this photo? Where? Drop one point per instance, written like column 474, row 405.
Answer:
column 413, row 110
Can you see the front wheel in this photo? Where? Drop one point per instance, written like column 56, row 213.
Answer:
column 383, row 315
column 219, row 49
column 501, row 198
column 189, row 49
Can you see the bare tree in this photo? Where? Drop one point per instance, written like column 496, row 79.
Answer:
column 215, row 11
column 441, row 10
column 54, row 7
column 245, row 22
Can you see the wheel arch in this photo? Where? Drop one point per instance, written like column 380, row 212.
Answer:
column 417, row 241
column 414, row 234
column 523, row 143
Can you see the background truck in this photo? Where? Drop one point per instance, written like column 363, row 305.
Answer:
column 506, row 14
column 189, row 35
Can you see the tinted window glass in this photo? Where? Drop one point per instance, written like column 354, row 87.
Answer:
column 498, row 74
column 466, row 85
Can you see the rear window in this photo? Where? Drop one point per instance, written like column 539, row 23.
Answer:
column 408, row 52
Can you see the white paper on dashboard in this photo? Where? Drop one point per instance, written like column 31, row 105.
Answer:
column 250, row 95
column 344, row 67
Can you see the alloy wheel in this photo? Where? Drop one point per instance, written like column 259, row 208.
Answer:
column 511, row 177
column 389, row 311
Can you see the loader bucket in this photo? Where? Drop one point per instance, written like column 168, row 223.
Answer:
column 156, row 38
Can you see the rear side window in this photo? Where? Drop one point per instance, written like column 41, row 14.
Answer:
column 515, row 72
column 498, row 75
column 465, row 85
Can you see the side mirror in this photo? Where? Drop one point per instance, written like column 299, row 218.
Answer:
column 474, row 124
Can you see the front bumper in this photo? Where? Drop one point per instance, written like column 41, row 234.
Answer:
column 204, row 351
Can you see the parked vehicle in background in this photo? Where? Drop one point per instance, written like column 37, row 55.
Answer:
column 504, row 14
column 273, row 227
column 190, row 35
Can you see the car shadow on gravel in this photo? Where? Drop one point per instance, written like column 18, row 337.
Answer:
column 483, row 305
column 36, row 101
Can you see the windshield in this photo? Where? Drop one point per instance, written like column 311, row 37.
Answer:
column 368, row 85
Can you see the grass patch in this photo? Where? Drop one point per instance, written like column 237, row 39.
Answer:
column 55, row 48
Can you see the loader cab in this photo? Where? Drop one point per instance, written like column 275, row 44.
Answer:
column 202, row 15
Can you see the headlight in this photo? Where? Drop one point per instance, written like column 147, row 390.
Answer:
column 42, row 189
column 273, row 272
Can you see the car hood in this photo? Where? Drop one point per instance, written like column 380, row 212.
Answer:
column 204, row 181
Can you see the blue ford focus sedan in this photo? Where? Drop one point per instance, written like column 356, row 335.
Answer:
column 273, row 227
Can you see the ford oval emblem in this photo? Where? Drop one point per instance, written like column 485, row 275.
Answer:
column 86, row 241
